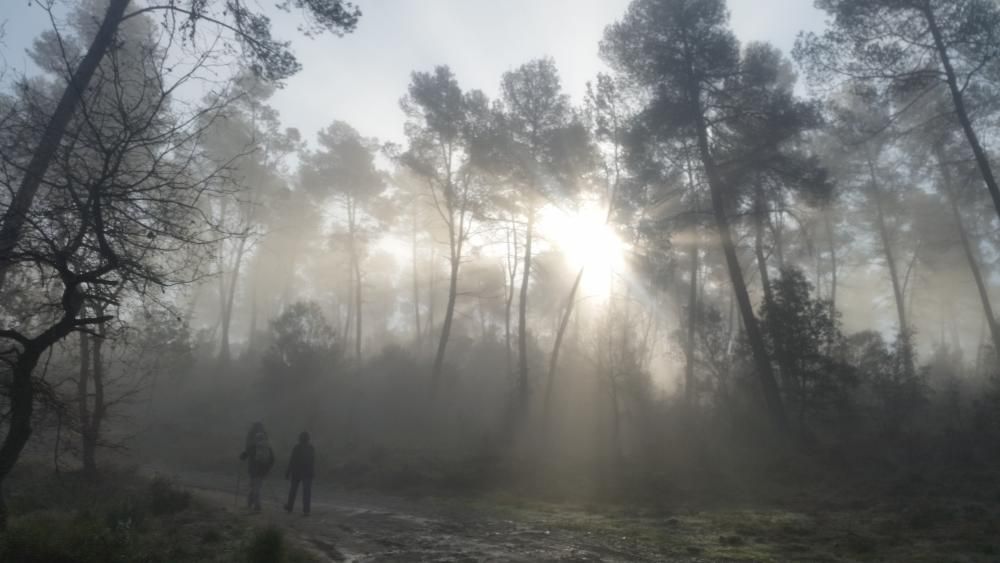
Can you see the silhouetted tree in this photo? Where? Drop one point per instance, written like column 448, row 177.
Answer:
column 863, row 168
column 445, row 127
column 118, row 216
column 915, row 46
column 246, row 29
column 683, row 53
column 547, row 152
column 344, row 168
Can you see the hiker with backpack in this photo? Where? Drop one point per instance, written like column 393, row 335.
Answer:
column 259, row 457
column 300, row 470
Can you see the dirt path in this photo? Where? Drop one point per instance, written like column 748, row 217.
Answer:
column 371, row 527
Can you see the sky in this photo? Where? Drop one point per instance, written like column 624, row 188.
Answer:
column 360, row 78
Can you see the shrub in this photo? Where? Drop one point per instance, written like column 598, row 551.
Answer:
column 48, row 537
column 165, row 498
column 266, row 546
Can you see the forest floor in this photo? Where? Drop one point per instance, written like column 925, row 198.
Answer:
column 124, row 516
column 368, row 526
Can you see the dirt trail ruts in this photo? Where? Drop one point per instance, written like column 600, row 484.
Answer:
column 368, row 527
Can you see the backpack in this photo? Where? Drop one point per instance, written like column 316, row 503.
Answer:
column 263, row 456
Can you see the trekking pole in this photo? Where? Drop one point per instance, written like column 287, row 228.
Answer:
column 236, row 493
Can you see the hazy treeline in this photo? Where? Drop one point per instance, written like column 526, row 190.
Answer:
column 718, row 247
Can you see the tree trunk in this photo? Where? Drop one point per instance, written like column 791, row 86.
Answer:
column 615, row 424
column 522, row 316
column 968, row 249
column 511, row 278
column 758, row 246
column 778, row 231
column 22, row 398
column 897, row 288
column 22, row 200
column 356, row 271
column 431, row 301
column 692, row 330
column 349, row 317
column 252, row 332
column 92, row 437
column 449, row 313
column 416, row 279
column 832, row 249
column 772, row 394
column 83, row 405
column 230, row 298
column 958, row 100
column 563, row 323
column 357, row 308
column 20, row 393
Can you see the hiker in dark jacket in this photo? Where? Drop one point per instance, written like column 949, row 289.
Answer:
column 255, row 428
column 260, row 459
column 300, row 470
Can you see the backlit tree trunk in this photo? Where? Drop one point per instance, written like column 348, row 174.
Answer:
column 832, row 249
column 958, row 100
column 522, row 315
column 762, row 363
column 969, row 251
column 897, row 289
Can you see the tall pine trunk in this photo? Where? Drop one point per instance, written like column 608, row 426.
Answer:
column 522, row 315
column 356, row 272
column 230, row 298
column 512, row 264
column 431, row 294
column 560, row 333
column 958, row 100
column 762, row 363
column 449, row 312
column 969, row 250
column 416, row 278
column 897, row 289
column 832, row 249
column 759, row 212
column 692, row 328
column 252, row 331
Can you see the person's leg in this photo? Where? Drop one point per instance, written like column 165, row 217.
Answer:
column 306, row 495
column 250, row 492
column 293, row 490
column 255, row 483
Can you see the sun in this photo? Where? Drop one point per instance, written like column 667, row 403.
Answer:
column 589, row 242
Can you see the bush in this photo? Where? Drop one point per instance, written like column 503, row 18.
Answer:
column 266, row 546
column 48, row 537
column 165, row 498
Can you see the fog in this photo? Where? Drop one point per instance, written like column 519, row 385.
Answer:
column 655, row 253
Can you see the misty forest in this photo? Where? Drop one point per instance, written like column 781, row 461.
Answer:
column 730, row 303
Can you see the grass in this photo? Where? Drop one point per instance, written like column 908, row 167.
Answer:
column 126, row 518
column 927, row 528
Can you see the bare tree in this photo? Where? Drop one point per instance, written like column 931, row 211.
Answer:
column 246, row 28
column 118, row 217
